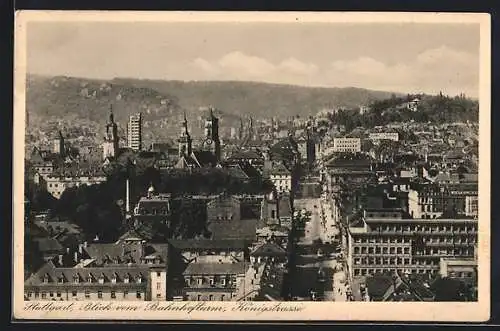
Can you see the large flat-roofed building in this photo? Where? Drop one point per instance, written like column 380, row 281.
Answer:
column 377, row 136
column 56, row 184
column 347, row 145
column 463, row 268
column 385, row 240
column 134, row 132
column 432, row 200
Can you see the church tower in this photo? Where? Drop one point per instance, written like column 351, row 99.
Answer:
column 110, row 145
column 59, row 147
column 211, row 140
column 185, row 141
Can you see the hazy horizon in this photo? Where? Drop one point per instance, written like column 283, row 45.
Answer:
column 393, row 57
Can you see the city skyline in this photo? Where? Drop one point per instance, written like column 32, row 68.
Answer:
column 396, row 57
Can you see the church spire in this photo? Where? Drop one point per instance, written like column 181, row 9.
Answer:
column 111, row 115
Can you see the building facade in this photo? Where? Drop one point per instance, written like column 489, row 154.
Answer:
column 111, row 140
column 134, row 132
column 384, row 241
column 376, row 136
column 347, row 145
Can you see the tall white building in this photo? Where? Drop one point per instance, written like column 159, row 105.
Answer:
column 134, row 132
column 347, row 145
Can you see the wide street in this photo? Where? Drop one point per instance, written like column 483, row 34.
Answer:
column 317, row 266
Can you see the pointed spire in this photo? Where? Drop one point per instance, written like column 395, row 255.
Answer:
column 111, row 115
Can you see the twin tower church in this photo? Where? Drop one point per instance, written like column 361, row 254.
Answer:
column 210, row 142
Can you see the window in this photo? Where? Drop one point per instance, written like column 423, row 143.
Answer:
column 210, row 297
column 199, row 297
column 138, row 295
column 58, row 294
column 158, row 286
column 76, row 279
column 222, row 297
column 113, row 295
column 211, row 282
column 200, row 281
column 125, row 294
column 406, row 250
column 87, row 294
column 44, row 295
column 223, row 281
column 74, row 293
column 158, row 274
column 126, row 279
column 399, row 250
column 99, row 294
column 30, row 294
column 51, row 294
column 101, row 280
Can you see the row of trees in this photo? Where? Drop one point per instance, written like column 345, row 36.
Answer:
column 436, row 109
column 98, row 209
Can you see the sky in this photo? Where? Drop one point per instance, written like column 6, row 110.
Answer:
column 398, row 57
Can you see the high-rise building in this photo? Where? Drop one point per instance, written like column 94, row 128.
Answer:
column 134, row 132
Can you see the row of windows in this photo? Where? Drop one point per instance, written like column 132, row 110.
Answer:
column 87, row 293
column 425, row 228
column 212, row 281
column 210, row 297
column 100, row 280
column 449, row 251
column 372, row 271
column 381, row 250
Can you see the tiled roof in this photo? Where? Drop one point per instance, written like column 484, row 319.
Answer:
column 378, row 285
column 268, row 249
column 235, row 229
column 201, row 244
column 205, row 158
column 46, row 245
column 216, row 268
column 54, row 274
column 246, row 155
column 280, row 169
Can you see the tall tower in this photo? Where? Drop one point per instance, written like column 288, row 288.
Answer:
column 134, row 132
column 110, row 145
column 59, row 147
column 211, row 141
column 242, row 130
column 185, row 141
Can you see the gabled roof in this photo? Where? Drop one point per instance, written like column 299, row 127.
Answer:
column 204, row 158
column 47, row 245
column 215, row 268
column 202, row 244
column 246, row 155
column 268, row 249
column 279, row 169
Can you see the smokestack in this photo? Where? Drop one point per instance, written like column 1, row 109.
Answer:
column 127, row 195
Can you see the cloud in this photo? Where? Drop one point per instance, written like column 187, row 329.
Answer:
column 295, row 66
column 431, row 71
column 238, row 65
